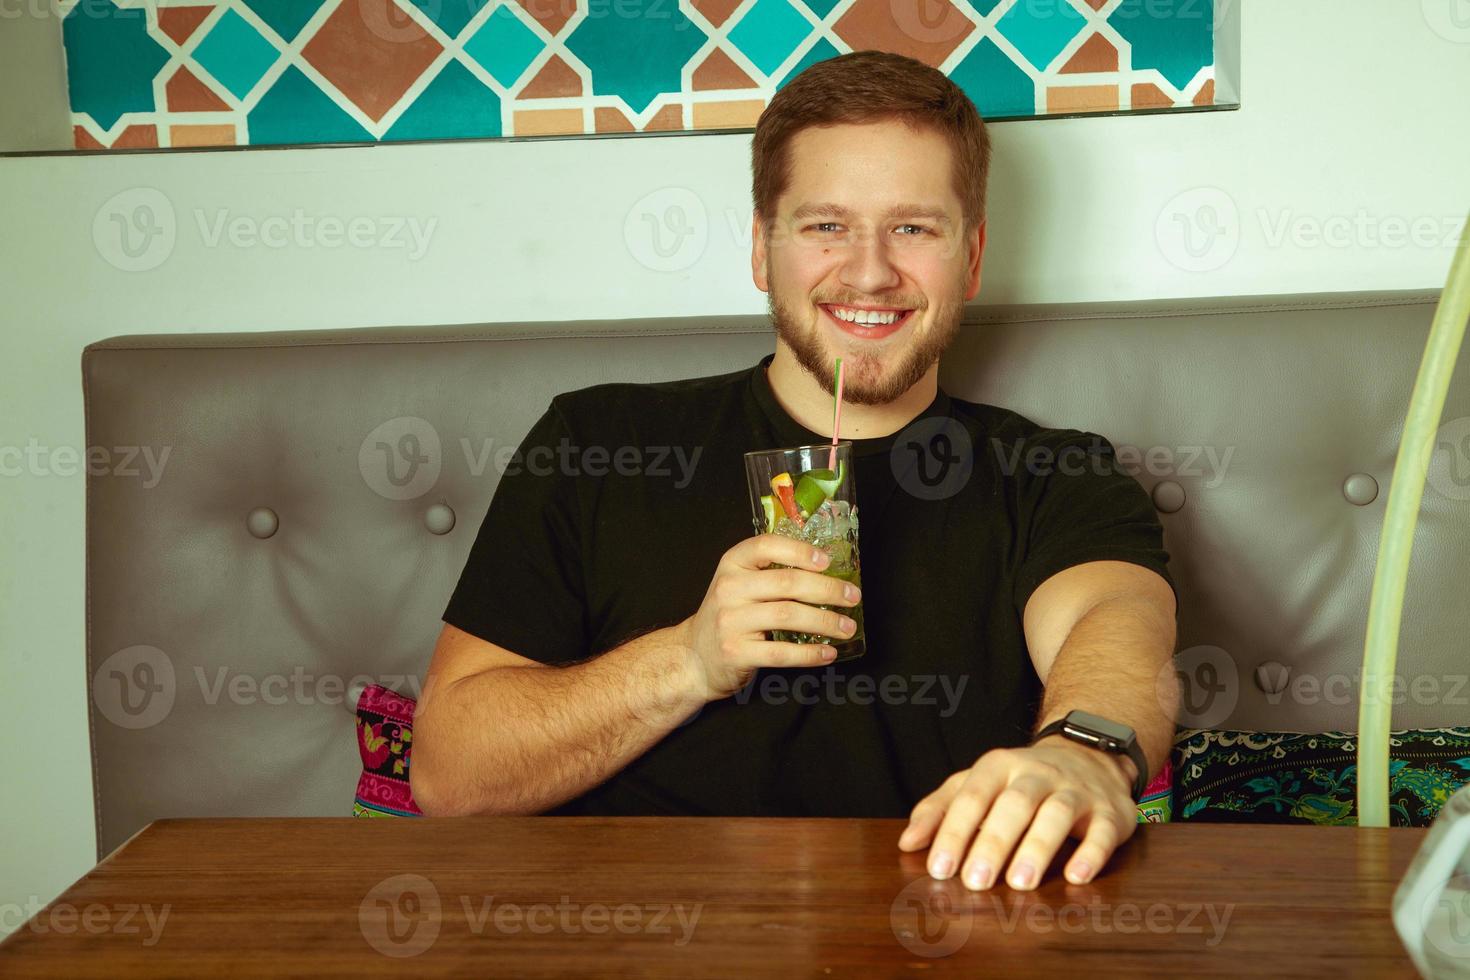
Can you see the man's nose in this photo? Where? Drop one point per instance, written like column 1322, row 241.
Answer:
column 868, row 268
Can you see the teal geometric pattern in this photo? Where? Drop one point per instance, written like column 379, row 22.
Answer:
column 110, row 62
column 505, row 47
column 235, row 54
column 450, row 15
column 262, row 72
column 455, row 106
column 1170, row 37
column 996, row 84
column 636, row 58
column 820, row 51
column 296, row 111
column 1040, row 39
column 285, row 17
column 769, row 32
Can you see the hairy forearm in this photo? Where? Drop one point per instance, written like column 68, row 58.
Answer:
column 1111, row 665
column 521, row 740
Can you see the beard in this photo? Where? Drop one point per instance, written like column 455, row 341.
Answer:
column 864, row 382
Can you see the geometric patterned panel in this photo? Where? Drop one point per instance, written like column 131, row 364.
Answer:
column 168, row 73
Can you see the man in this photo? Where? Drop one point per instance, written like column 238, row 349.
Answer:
column 601, row 651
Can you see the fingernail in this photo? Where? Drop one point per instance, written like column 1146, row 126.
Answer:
column 818, row 556
column 847, row 625
column 980, row 876
column 851, row 592
column 1022, row 875
column 1081, row 874
column 941, row 866
column 829, row 653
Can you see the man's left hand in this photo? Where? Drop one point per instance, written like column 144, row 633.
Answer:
column 1039, row 795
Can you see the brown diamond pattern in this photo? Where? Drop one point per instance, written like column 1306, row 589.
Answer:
column 372, row 52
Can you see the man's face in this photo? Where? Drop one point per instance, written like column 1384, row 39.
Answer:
column 869, row 228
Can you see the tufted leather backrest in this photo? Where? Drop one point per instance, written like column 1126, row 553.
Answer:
column 276, row 519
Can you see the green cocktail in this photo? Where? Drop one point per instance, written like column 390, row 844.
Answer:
column 795, row 494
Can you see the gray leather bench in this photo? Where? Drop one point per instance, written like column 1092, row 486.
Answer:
column 275, row 519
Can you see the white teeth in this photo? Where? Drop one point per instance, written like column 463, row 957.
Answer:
column 870, row 317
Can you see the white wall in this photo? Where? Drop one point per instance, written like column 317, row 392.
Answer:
column 1347, row 121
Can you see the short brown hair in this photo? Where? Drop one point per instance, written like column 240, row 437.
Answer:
column 871, row 86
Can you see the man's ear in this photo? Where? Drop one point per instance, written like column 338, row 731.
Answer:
column 758, row 255
column 975, row 242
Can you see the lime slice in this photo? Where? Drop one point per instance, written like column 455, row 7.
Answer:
column 816, row 486
column 768, row 504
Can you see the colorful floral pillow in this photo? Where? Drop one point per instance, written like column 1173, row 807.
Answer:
column 1289, row 777
column 1156, row 805
column 385, row 741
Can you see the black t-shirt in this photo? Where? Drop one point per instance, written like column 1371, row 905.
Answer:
column 612, row 516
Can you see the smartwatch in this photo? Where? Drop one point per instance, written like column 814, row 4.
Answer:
column 1109, row 736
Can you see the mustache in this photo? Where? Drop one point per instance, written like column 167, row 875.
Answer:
column 900, row 303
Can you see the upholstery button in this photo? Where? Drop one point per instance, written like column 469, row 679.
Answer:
column 262, row 522
column 1360, row 488
column 439, row 518
column 1168, row 496
column 1271, row 676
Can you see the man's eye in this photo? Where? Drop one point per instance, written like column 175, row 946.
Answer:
column 823, row 226
column 919, row 228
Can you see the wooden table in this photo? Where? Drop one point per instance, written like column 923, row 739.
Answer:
column 698, row 897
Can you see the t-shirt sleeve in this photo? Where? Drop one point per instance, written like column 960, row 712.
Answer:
column 1079, row 504
column 522, row 587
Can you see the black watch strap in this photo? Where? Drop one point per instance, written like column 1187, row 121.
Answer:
column 1132, row 750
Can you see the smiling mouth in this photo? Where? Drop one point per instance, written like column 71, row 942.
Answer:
column 867, row 323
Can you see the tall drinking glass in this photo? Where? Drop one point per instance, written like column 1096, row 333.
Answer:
column 793, row 493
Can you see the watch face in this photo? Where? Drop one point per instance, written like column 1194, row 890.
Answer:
column 1121, row 734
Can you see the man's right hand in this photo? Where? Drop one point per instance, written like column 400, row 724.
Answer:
column 726, row 637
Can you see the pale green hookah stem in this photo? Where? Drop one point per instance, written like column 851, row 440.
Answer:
column 1386, row 607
